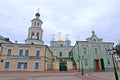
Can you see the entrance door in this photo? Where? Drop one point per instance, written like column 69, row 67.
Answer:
column 63, row 67
column 102, row 64
column 97, row 65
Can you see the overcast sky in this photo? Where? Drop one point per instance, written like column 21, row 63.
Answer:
column 73, row 17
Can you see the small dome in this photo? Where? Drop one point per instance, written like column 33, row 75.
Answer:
column 37, row 14
column 67, row 41
column 52, row 41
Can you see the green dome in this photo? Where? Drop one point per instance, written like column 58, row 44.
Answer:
column 67, row 41
column 37, row 14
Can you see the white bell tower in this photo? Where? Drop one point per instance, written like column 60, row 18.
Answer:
column 35, row 31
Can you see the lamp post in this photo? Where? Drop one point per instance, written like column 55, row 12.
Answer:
column 111, row 52
column 81, row 58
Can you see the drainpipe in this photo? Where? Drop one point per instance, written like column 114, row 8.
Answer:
column 45, row 59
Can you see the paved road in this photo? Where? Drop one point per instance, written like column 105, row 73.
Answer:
column 58, row 76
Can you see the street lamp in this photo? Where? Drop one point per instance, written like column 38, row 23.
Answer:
column 111, row 52
column 81, row 58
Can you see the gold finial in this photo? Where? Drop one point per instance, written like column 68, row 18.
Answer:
column 60, row 40
column 59, row 35
column 38, row 10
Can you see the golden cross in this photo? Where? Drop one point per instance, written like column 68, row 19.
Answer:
column 59, row 34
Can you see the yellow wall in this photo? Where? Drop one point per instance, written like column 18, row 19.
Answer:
column 32, row 52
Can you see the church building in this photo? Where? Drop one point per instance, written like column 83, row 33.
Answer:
column 61, row 49
column 92, row 54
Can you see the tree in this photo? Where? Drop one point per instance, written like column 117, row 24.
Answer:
column 117, row 47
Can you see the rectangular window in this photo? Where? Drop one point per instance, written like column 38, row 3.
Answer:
column 60, row 53
column 9, row 52
column 106, row 51
column 21, row 52
column 96, row 51
column 26, row 52
column 84, row 51
column 37, row 24
column 22, row 65
column 19, row 65
column 7, row 64
column 25, row 65
column 36, row 65
column 37, row 53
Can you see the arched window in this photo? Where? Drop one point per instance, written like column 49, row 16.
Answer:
column 38, row 24
column 60, row 53
column 34, row 23
column 96, row 51
column 37, row 35
column 32, row 35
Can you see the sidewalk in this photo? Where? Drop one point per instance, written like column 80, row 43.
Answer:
column 58, row 76
column 38, row 76
column 104, row 75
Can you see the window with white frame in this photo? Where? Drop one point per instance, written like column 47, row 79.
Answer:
column 60, row 53
column 20, row 52
column 26, row 52
column 96, row 51
column 25, row 65
column 19, row 65
column 7, row 65
column 84, row 50
column 22, row 65
column 86, row 61
column 106, row 51
column 23, row 52
column 37, row 65
column 9, row 51
column 37, row 52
